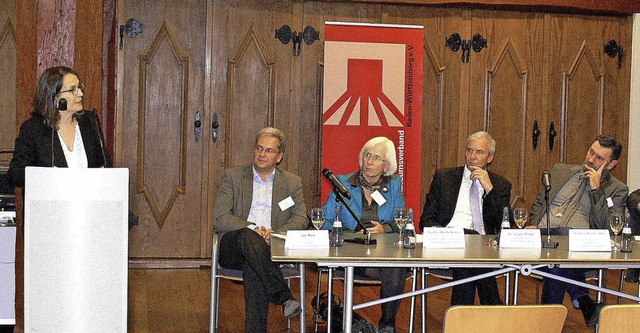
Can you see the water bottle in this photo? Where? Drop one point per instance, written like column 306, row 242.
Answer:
column 409, row 235
column 627, row 236
column 505, row 219
column 336, row 237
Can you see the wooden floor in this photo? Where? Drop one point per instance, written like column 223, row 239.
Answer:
column 177, row 300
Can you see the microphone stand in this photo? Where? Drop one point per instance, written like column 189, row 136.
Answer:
column 548, row 244
column 365, row 241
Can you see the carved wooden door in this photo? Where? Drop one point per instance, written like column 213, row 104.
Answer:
column 506, row 93
column 586, row 93
column 161, row 89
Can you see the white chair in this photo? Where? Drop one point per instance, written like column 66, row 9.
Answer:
column 447, row 275
column 619, row 318
column 505, row 318
column 236, row 275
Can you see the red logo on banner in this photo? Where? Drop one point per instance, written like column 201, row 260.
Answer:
column 364, row 85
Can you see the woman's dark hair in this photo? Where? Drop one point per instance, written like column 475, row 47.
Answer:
column 49, row 86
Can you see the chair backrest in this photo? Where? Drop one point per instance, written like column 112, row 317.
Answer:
column 619, row 318
column 505, row 318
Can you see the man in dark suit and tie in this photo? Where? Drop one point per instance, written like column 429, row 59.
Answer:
column 471, row 197
column 253, row 202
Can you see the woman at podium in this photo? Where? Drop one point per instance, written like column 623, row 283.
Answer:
column 60, row 133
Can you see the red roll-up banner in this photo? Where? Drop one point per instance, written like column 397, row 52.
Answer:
column 373, row 87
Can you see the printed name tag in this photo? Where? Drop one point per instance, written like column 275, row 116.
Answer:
column 609, row 202
column 377, row 196
column 520, row 239
column 443, row 238
column 307, row 239
column 286, row 203
column 589, row 240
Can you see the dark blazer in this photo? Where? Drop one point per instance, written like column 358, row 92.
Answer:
column 633, row 205
column 235, row 195
column 38, row 145
column 440, row 203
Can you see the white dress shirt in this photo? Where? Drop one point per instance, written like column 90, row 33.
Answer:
column 462, row 214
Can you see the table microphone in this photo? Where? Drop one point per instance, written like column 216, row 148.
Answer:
column 546, row 176
column 337, row 185
column 546, row 180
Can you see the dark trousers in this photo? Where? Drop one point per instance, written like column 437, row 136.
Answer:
column 392, row 282
column 245, row 250
column 465, row 294
column 553, row 290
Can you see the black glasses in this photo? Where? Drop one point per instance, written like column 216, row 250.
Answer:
column 74, row 90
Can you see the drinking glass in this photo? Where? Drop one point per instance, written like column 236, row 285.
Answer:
column 615, row 223
column 400, row 217
column 317, row 217
column 520, row 215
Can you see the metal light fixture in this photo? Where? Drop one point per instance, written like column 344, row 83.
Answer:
column 309, row 35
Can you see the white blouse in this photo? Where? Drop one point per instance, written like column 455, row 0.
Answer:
column 76, row 158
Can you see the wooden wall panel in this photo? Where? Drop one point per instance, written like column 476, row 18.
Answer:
column 251, row 73
column 506, row 91
column 445, row 81
column 585, row 92
column 610, row 6
column 8, row 72
column 88, row 51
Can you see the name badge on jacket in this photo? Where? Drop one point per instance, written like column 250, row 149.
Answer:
column 286, row 203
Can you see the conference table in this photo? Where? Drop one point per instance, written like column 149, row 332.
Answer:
column 479, row 252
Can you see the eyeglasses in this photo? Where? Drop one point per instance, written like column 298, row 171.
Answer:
column 74, row 90
column 270, row 151
column 376, row 158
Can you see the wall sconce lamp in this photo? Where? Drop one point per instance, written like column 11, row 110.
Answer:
column 285, row 35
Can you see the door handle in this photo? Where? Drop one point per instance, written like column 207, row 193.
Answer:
column 197, row 126
column 552, row 135
column 214, row 128
column 536, row 134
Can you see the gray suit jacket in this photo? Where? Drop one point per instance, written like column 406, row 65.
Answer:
column 235, row 194
column 610, row 187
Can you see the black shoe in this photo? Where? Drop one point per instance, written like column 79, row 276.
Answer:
column 291, row 308
column 591, row 313
column 632, row 275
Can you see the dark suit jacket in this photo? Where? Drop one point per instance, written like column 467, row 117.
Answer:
column 441, row 200
column 235, row 195
column 34, row 146
column 633, row 205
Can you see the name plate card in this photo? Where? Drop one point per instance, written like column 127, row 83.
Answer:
column 520, row 239
column 443, row 238
column 589, row 240
column 307, row 239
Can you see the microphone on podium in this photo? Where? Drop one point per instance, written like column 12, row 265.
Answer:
column 337, row 185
